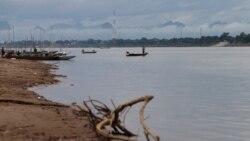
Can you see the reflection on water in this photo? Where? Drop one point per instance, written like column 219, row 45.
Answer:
column 201, row 94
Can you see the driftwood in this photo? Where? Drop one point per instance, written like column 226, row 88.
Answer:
column 108, row 124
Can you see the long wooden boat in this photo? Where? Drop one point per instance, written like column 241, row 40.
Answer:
column 40, row 57
column 66, row 57
column 92, row 51
column 136, row 54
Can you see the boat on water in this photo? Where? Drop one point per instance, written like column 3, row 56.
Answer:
column 42, row 55
column 37, row 57
column 66, row 57
column 84, row 51
column 137, row 54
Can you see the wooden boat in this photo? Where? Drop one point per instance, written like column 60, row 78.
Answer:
column 38, row 56
column 83, row 51
column 136, row 54
column 66, row 57
column 47, row 58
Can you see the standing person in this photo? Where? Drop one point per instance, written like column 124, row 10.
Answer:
column 2, row 52
column 143, row 49
column 35, row 50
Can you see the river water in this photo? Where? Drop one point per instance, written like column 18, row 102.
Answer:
column 200, row 94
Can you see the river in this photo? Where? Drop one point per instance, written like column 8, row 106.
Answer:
column 200, row 94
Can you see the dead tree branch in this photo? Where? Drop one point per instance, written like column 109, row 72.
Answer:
column 107, row 123
column 147, row 131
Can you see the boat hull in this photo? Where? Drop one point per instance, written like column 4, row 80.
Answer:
column 136, row 54
column 89, row 52
column 83, row 51
column 47, row 58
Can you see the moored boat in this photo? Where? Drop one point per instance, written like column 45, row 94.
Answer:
column 43, row 55
column 35, row 57
column 66, row 57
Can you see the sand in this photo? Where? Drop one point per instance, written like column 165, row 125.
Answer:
column 26, row 116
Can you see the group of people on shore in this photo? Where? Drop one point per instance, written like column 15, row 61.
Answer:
column 6, row 53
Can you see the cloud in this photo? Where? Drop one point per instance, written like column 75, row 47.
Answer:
column 4, row 25
column 134, row 18
column 40, row 28
column 66, row 26
column 105, row 26
column 171, row 23
column 217, row 23
column 80, row 26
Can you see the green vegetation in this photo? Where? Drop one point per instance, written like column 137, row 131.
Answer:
column 240, row 40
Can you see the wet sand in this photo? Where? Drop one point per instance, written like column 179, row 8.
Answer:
column 25, row 116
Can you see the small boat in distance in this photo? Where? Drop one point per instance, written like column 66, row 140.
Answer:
column 137, row 54
column 83, row 51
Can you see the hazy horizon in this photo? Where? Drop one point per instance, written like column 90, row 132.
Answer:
column 85, row 19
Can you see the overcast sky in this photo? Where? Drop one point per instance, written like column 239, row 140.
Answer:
column 84, row 19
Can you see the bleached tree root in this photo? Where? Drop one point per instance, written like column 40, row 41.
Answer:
column 108, row 124
column 147, row 131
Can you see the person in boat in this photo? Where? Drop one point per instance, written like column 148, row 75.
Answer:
column 2, row 52
column 143, row 50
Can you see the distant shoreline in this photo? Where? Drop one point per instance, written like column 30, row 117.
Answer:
column 243, row 39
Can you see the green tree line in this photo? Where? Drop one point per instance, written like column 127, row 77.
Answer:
column 242, row 39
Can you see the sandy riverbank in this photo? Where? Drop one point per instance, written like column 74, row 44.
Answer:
column 24, row 115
